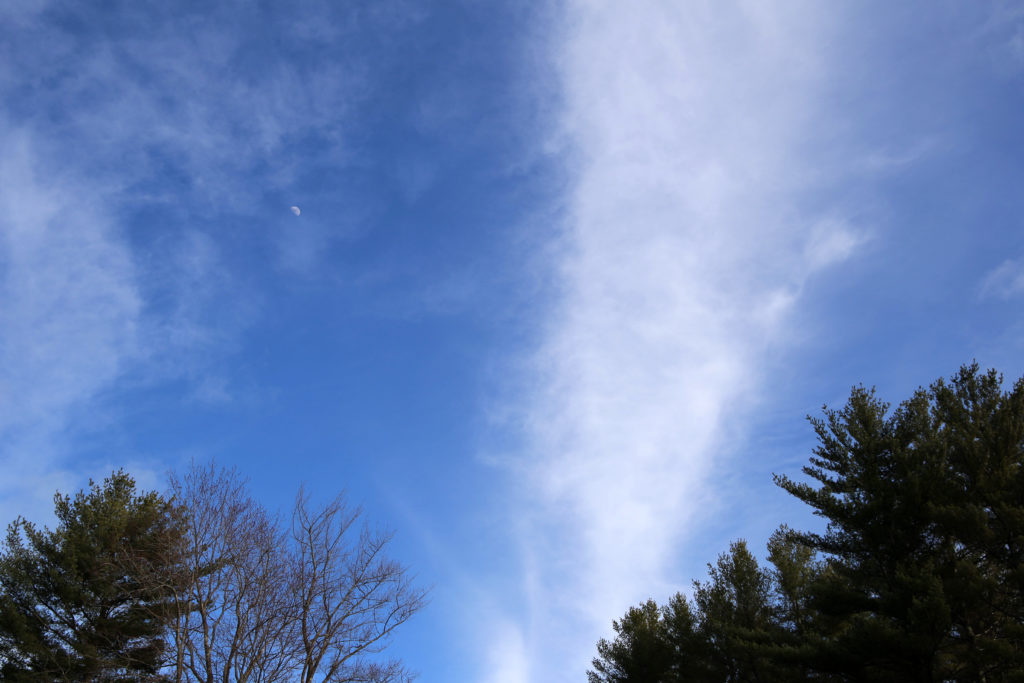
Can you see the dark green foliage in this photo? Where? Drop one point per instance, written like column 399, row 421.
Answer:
column 653, row 645
column 797, row 627
column 737, row 616
column 729, row 633
column 640, row 652
column 85, row 602
column 926, row 532
column 690, row 647
column 795, row 568
column 919, row 575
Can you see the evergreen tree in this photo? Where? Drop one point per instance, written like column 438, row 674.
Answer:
column 919, row 575
column 744, row 624
column 654, row 645
column 795, row 568
column 738, row 617
column 640, row 652
column 926, row 533
column 690, row 646
column 86, row 601
column 797, row 625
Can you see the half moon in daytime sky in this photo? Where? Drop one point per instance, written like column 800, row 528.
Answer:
column 297, row 211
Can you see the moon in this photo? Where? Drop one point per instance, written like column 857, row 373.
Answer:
column 297, row 211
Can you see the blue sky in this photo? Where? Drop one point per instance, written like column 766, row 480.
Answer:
column 566, row 280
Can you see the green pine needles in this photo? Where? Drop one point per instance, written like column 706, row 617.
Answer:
column 919, row 575
column 77, row 602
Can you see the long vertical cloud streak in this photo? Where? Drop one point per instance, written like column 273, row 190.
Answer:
column 684, row 249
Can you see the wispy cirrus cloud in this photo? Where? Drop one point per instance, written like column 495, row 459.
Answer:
column 831, row 241
column 725, row 157
column 84, row 314
column 685, row 247
column 141, row 149
column 70, row 313
column 1004, row 281
column 182, row 93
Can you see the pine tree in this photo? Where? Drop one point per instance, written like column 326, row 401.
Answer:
column 926, row 532
column 82, row 602
column 655, row 645
column 798, row 627
column 640, row 652
column 919, row 575
column 738, row 618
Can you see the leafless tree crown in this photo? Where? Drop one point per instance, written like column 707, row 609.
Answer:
column 316, row 603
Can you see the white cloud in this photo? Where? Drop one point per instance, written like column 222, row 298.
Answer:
column 1002, row 32
column 83, row 316
column 70, row 313
column 508, row 661
column 887, row 160
column 684, row 249
column 830, row 242
column 87, row 310
column 1015, row 45
column 1004, row 281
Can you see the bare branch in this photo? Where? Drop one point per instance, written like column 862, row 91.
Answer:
column 350, row 597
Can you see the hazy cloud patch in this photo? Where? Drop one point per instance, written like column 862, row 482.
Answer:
column 70, row 314
column 1004, row 281
column 831, row 242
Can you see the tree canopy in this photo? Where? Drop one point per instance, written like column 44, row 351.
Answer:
column 75, row 602
column 918, row 576
column 203, row 585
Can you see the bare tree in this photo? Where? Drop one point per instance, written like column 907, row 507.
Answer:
column 349, row 596
column 259, row 605
column 234, row 618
